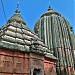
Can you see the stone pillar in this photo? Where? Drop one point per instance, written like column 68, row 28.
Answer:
column 31, row 72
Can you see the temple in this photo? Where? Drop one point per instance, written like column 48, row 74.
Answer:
column 56, row 32
column 48, row 50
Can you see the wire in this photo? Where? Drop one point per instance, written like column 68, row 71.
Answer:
column 3, row 10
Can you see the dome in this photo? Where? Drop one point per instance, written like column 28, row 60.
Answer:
column 56, row 32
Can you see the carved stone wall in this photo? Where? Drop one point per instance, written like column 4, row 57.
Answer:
column 37, row 62
column 13, row 63
column 49, row 67
column 21, row 63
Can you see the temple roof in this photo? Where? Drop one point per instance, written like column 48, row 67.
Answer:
column 52, row 24
column 57, row 33
column 15, row 32
column 15, row 35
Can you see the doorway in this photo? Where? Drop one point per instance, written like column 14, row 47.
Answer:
column 36, row 72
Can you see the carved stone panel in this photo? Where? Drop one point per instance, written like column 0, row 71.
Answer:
column 27, row 65
column 6, row 63
column 19, row 65
column 49, row 68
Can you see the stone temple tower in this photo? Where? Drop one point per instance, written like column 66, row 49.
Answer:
column 22, row 52
column 56, row 32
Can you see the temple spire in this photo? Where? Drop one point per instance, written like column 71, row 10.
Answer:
column 18, row 5
column 49, row 8
column 18, row 11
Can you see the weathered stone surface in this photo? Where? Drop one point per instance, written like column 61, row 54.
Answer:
column 56, row 32
column 22, row 52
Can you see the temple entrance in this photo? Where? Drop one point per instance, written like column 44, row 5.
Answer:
column 36, row 72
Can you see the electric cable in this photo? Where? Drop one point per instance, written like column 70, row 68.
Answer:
column 3, row 10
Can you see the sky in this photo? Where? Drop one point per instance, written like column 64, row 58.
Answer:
column 31, row 10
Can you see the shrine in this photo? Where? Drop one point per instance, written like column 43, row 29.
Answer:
column 22, row 52
column 49, row 49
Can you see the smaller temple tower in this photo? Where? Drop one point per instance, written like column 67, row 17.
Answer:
column 22, row 52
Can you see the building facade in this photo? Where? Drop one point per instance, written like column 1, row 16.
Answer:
column 47, row 51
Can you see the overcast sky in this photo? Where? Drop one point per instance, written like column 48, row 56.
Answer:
column 31, row 10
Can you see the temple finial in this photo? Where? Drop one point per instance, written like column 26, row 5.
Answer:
column 17, row 11
column 18, row 5
column 49, row 8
